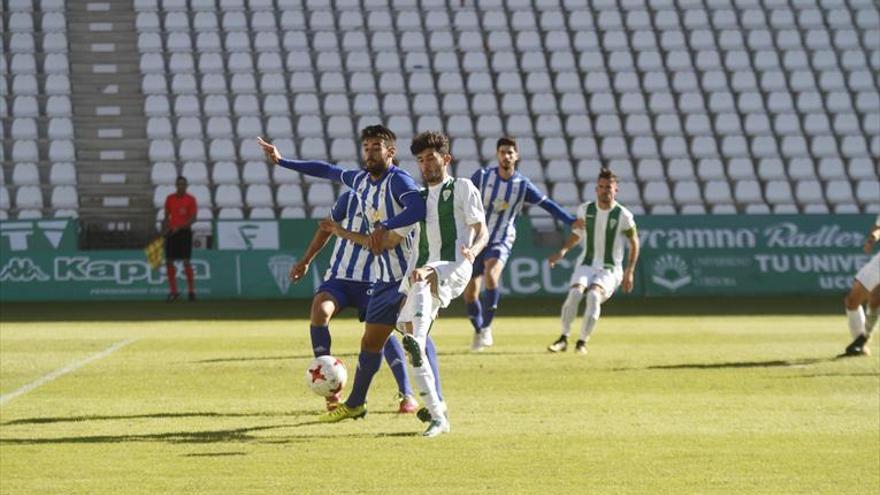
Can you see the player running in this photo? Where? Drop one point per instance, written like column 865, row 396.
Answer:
column 599, row 271
column 390, row 200
column 504, row 191
column 865, row 288
column 348, row 282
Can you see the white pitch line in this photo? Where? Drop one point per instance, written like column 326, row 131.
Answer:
column 63, row 371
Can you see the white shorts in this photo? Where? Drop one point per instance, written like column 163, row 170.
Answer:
column 869, row 275
column 452, row 279
column 609, row 280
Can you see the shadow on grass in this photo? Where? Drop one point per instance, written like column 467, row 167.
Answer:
column 216, row 454
column 77, row 419
column 236, row 435
column 779, row 363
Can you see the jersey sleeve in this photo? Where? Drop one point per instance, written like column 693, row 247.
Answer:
column 405, row 191
column 581, row 214
column 473, row 203
column 627, row 221
column 533, row 194
column 477, row 178
column 340, row 208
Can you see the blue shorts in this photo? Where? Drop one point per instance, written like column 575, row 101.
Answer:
column 385, row 303
column 349, row 294
column 495, row 250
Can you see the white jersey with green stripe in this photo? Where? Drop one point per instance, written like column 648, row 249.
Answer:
column 602, row 238
column 451, row 207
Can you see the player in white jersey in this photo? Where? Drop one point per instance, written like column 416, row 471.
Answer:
column 504, row 191
column 608, row 225
column 865, row 288
column 453, row 233
column 348, row 282
column 390, row 200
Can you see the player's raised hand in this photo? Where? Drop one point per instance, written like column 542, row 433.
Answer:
column 270, row 150
column 299, row 270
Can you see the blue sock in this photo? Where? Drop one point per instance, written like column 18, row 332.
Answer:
column 368, row 365
column 397, row 362
column 320, row 340
column 475, row 313
column 492, row 298
column 431, row 351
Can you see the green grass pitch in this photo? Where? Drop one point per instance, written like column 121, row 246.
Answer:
column 210, row 398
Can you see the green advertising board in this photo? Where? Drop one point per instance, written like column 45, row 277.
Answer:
column 681, row 255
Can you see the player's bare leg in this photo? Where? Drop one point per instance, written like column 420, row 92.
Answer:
column 855, row 314
column 324, row 307
column 569, row 313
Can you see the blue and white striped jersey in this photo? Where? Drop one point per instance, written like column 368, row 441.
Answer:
column 350, row 261
column 504, row 199
column 378, row 201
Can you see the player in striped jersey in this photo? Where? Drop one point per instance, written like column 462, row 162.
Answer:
column 389, row 200
column 448, row 240
column 864, row 289
column 599, row 271
column 348, row 282
column 504, row 192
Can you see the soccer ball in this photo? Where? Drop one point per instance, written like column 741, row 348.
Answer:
column 326, row 376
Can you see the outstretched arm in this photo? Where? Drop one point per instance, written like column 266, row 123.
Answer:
column 319, row 240
column 314, row 168
column 872, row 238
column 536, row 197
column 479, row 237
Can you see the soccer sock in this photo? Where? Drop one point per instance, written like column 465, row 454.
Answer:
column 172, row 277
column 856, row 319
column 190, row 279
column 475, row 313
column 871, row 320
column 397, row 362
column 421, row 297
column 591, row 314
column 368, row 365
column 570, row 308
column 431, row 353
column 320, row 340
column 492, row 298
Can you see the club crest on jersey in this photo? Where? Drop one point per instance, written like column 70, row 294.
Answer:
column 446, row 194
column 501, row 205
column 612, row 223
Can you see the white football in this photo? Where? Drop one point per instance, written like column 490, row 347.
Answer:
column 326, row 376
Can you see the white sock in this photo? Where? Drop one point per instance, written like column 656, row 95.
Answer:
column 856, row 321
column 591, row 314
column 570, row 308
column 421, row 297
column 871, row 320
column 422, row 301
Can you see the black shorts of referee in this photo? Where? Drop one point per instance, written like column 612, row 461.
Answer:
column 178, row 244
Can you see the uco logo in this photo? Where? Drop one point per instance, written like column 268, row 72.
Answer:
column 22, row 270
column 280, row 267
column 671, row 272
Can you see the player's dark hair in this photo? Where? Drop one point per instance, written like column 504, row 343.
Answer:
column 506, row 141
column 435, row 140
column 606, row 173
column 180, row 177
column 378, row 131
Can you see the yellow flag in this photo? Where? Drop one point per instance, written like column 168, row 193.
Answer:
column 155, row 252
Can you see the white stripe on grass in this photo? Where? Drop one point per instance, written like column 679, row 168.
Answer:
column 63, row 371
